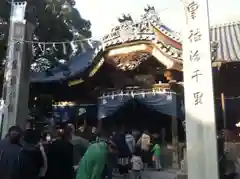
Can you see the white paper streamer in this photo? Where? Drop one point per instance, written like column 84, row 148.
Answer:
column 73, row 47
column 54, row 47
column 33, row 50
column 82, row 47
column 90, row 43
column 64, row 48
column 40, row 47
column 44, row 49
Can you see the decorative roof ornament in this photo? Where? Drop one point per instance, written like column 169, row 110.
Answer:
column 130, row 61
column 126, row 29
column 151, row 15
column 125, row 19
column 129, row 30
column 149, row 8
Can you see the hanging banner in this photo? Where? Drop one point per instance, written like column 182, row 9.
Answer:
column 198, row 89
column 156, row 99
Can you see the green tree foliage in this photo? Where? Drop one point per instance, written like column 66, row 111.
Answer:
column 55, row 21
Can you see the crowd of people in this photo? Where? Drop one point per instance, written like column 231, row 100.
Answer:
column 32, row 154
column 28, row 154
column 129, row 153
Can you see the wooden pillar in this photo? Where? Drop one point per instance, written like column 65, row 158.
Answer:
column 85, row 122
column 220, row 87
column 184, row 162
column 163, row 136
column 99, row 126
column 175, row 143
column 223, row 105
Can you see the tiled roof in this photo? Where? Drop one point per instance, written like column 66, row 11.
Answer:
column 78, row 64
column 228, row 38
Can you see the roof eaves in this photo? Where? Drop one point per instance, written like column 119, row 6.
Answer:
column 225, row 24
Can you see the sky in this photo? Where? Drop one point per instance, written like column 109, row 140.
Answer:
column 103, row 14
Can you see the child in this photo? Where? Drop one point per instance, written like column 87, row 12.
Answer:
column 137, row 164
column 156, row 150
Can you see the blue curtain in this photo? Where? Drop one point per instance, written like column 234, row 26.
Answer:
column 165, row 103
column 109, row 105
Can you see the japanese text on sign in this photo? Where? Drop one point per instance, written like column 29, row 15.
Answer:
column 195, row 35
column 196, row 74
column 197, row 98
column 192, row 9
column 194, row 56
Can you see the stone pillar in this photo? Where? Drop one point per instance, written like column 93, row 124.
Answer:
column 23, row 79
column 17, row 68
column 13, row 63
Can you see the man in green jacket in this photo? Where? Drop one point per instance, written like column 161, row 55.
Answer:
column 95, row 159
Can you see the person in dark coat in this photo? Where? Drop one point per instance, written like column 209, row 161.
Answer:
column 60, row 157
column 10, row 149
column 31, row 158
column 124, row 153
